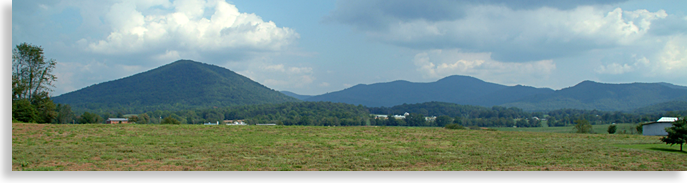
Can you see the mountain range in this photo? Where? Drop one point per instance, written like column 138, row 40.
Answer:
column 472, row 91
column 189, row 84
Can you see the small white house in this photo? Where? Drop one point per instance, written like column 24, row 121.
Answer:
column 211, row 123
column 658, row 128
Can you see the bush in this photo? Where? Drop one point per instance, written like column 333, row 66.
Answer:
column 611, row 129
column 454, row 126
column 170, row 120
column 582, row 126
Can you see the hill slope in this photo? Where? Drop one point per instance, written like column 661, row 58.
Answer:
column 454, row 89
column 472, row 91
column 601, row 96
column 294, row 95
column 181, row 84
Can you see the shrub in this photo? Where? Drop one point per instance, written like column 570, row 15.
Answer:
column 170, row 120
column 454, row 126
column 611, row 129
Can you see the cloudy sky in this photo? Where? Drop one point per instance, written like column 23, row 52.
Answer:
column 318, row 46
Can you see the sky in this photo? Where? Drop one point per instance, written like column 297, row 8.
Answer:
column 313, row 47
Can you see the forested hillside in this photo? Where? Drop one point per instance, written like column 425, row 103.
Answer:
column 183, row 84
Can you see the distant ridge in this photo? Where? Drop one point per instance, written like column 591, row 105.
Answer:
column 472, row 91
column 294, row 95
column 181, row 84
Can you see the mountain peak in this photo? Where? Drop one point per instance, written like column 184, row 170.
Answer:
column 181, row 83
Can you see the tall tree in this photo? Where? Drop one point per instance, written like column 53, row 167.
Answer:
column 31, row 73
column 31, row 80
column 583, row 126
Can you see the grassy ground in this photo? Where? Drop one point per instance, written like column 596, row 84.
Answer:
column 198, row 147
column 599, row 129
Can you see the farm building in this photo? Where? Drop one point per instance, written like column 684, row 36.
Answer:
column 234, row 122
column 117, row 121
column 211, row 123
column 658, row 128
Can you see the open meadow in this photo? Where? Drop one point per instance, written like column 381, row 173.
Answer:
column 306, row 148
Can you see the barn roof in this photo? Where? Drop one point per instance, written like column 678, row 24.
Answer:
column 117, row 119
column 663, row 120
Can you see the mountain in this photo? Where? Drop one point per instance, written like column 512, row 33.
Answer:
column 601, row 96
column 294, row 95
column 453, row 89
column 181, row 84
column 467, row 90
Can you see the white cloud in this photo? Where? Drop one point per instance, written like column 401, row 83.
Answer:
column 441, row 63
column 522, row 34
column 668, row 62
column 185, row 29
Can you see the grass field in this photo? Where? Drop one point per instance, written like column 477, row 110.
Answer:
column 598, row 129
column 303, row 148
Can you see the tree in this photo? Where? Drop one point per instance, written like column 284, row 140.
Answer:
column 611, row 129
column 90, row 118
column 64, row 114
column 170, row 120
column 582, row 126
column 443, row 120
column 31, row 78
column 677, row 134
column 23, row 111
column 31, row 74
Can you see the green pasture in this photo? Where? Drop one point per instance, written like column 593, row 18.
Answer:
column 598, row 129
column 316, row 148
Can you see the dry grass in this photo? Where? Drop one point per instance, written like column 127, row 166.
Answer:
column 188, row 147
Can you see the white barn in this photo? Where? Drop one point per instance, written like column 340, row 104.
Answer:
column 658, row 128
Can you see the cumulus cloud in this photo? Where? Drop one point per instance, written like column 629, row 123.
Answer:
column 278, row 76
column 442, row 63
column 170, row 30
column 513, row 34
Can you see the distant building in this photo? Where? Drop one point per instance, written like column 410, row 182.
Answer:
column 117, row 121
column 211, row 123
column 658, row 128
column 234, row 122
column 433, row 118
column 381, row 116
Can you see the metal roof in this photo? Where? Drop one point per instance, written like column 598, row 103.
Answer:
column 117, row 119
column 667, row 119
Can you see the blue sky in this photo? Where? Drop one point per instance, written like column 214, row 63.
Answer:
column 317, row 46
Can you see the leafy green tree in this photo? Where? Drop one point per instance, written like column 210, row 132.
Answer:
column 31, row 80
column 31, row 73
column 90, row 118
column 23, row 111
column 65, row 114
column 443, row 120
column 415, row 119
column 170, row 120
column 143, row 119
column 677, row 134
column 582, row 126
column 611, row 129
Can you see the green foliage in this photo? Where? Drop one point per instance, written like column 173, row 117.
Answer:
column 677, row 134
column 181, row 85
column 31, row 80
column 582, row 126
column 170, row 120
column 23, row 111
column 640, row 128
column 611, row 129
column 90, row 118
column 443, row 120
column 65, row 114
column 454, row 126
